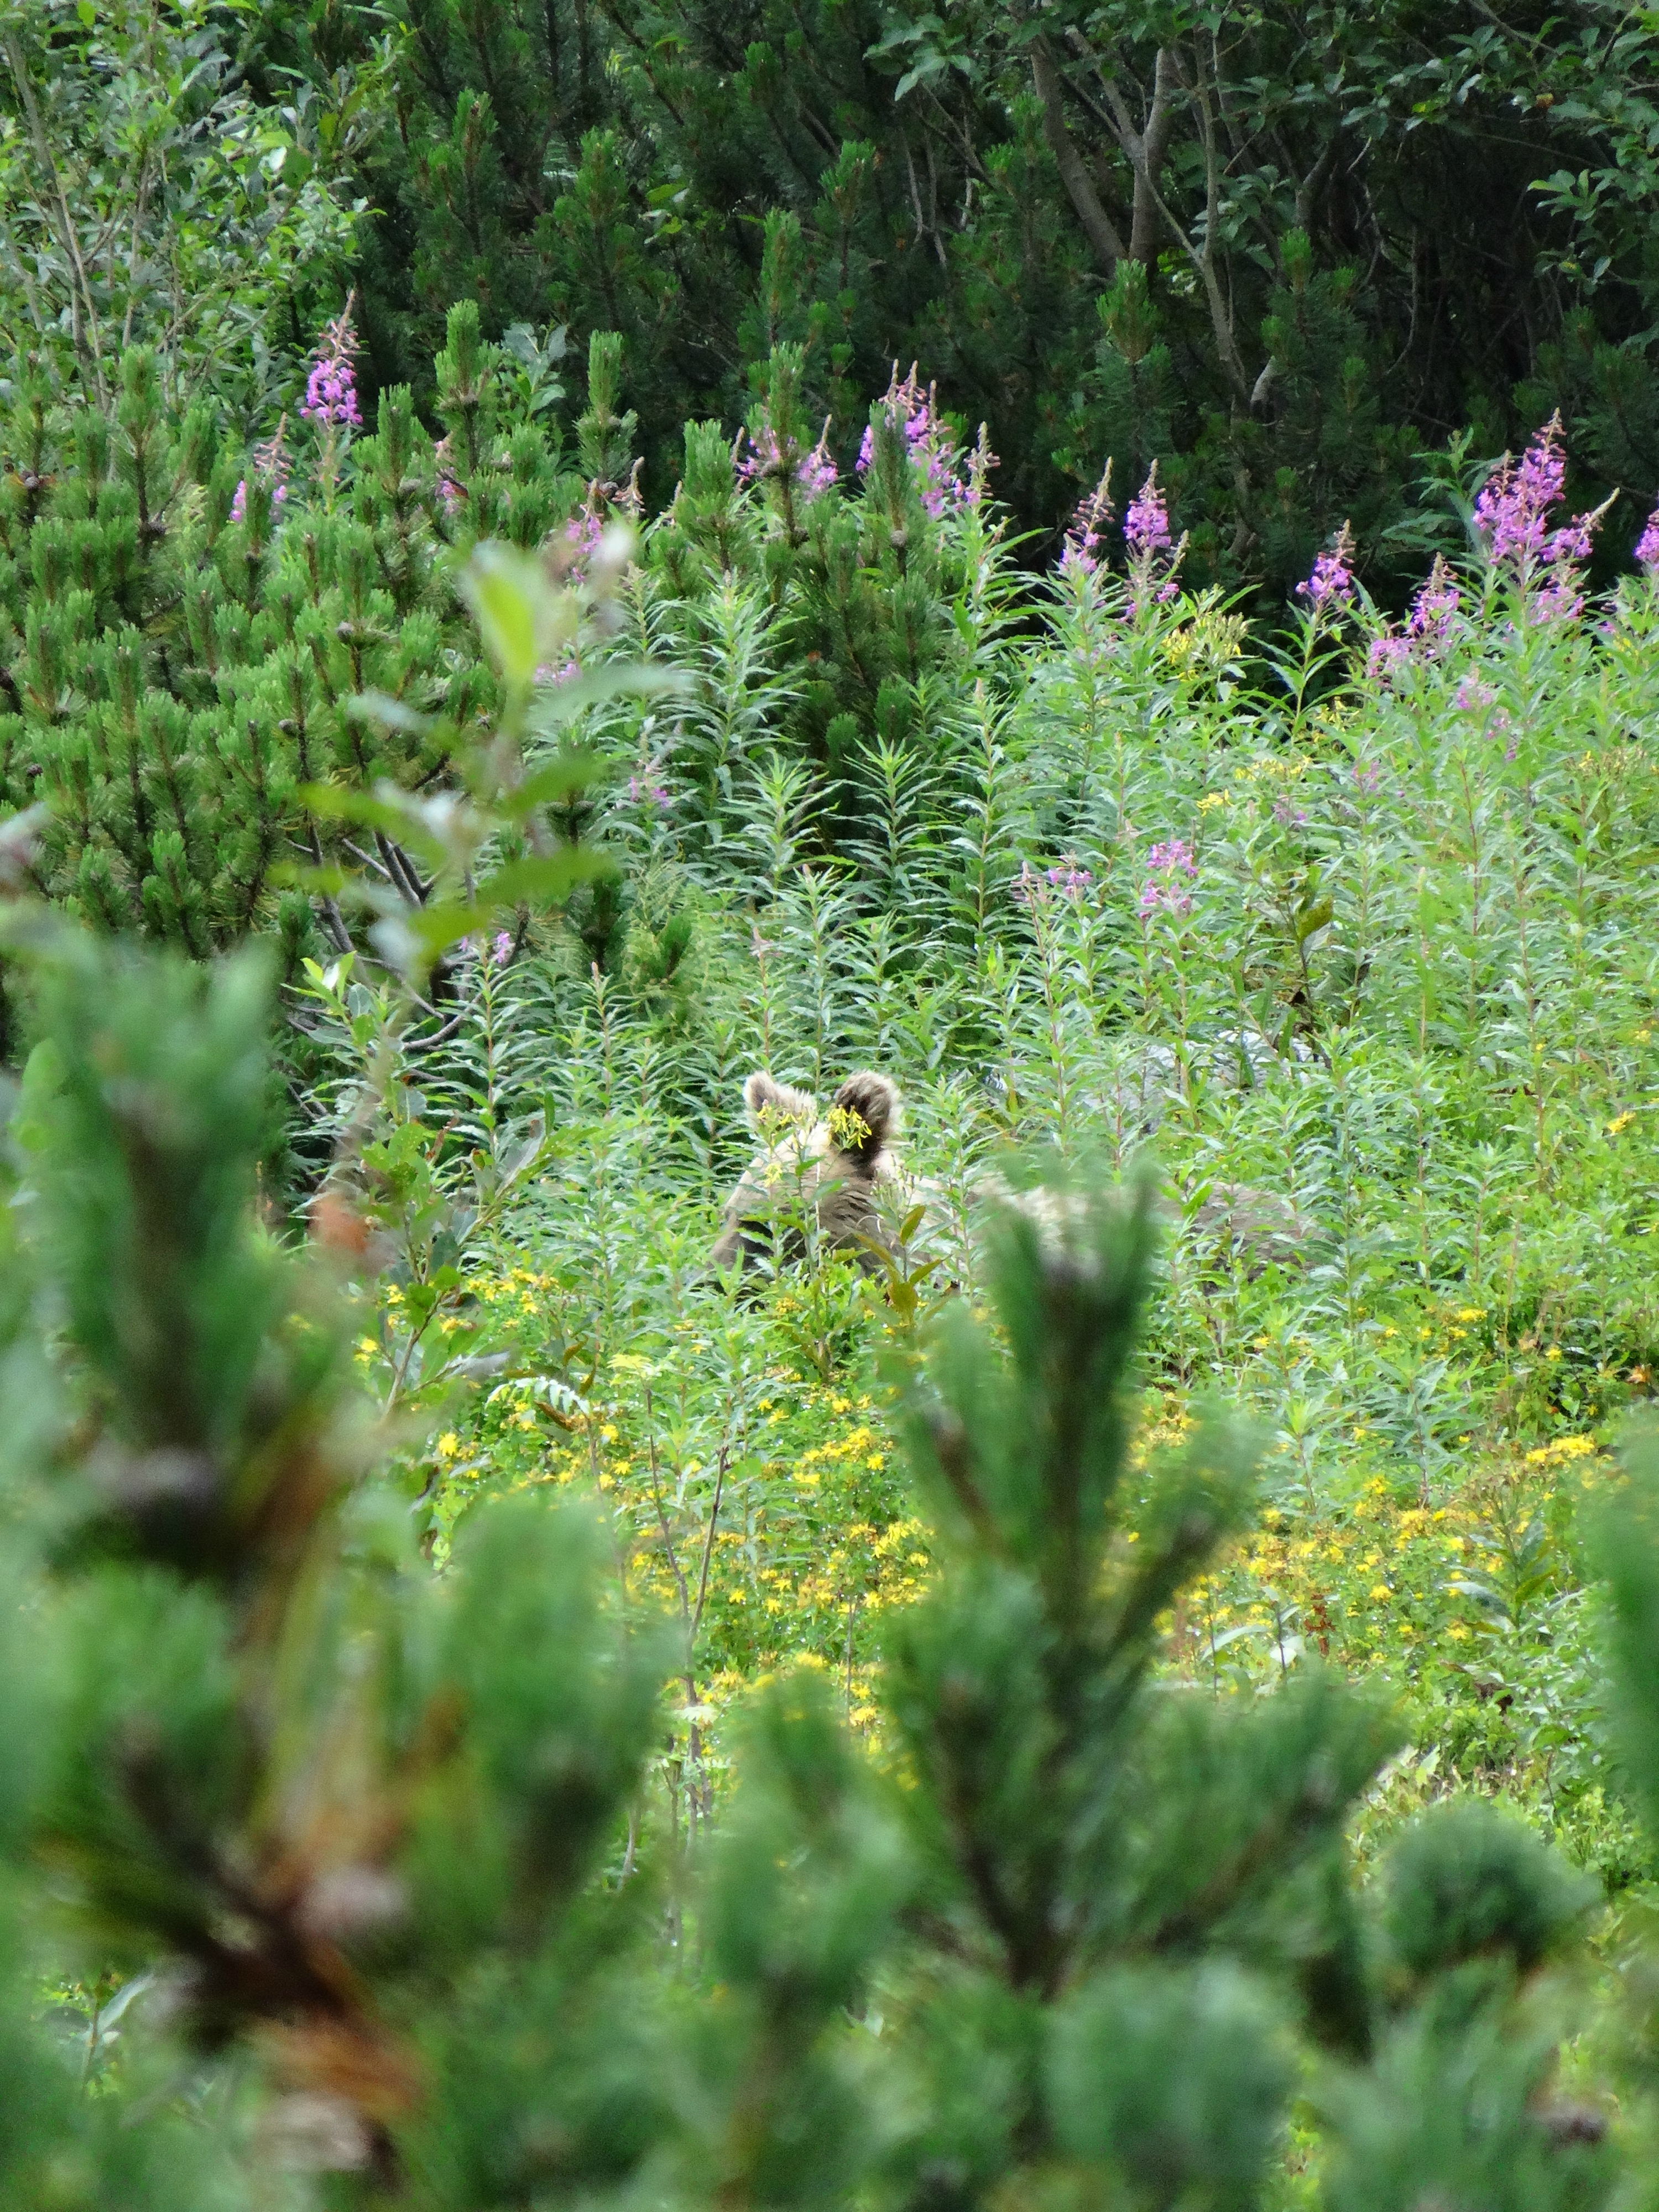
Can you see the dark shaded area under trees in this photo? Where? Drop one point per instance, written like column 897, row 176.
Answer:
column 1291, row 252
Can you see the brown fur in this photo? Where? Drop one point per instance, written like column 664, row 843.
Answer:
column 833, row 1171
column 828, row 1169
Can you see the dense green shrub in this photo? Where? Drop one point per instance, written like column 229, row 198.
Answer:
column 1285, row 252
column 150, row 194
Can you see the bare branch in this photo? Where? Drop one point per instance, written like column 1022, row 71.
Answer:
column 1098, row 226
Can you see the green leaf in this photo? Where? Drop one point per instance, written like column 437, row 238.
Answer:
column 552, row 876
column 562, row 702
column 392, row 714
column 426, row 931
column 570, row 770
column 517, row 610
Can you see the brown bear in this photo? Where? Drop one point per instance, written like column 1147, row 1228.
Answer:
column 830, row 1168
column 840, row 1172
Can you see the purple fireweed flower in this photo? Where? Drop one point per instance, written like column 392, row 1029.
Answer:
column 1331, row 584
column 1071, row 881
column 270, row 461
column 1086, row 532
column 1560, row 600
column 239, row 502
column 817, row 471
column 449, row 490
column 1036, row 887
column 1146, row 525
column 1647, row 545
column 1428, row 627
column 1168, row 887
column 1512, row 513
column 1436, row 605
column 649, row 790
column 1474, row 697
column 332, row 387
column 582, row 534
column 814, row 472
column 1517, row 496
column 503, row 947
column 980, row 462
column 547, row 673
column 1155, row 558
column 933, row 452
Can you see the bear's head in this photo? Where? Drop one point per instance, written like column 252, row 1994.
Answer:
column 814, row 1177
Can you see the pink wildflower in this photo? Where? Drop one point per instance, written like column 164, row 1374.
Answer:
column 1436, row 605
column 817, row 471
column 270, row 460
column 1146, row 525
column 1331, row 584
column 1516, row 497
column 1168, row 887
column 1474, row 697
column 449, row 490
column 582, row 534
column 332, row 387
column 1428, row 627
column 980, row 462
column 1087, row 532
column 933, row 452
column 1647, row 545
column 1154, row 560
column 814, row 471
column 503, row 947
column 1559, row 598
column 1511, row 514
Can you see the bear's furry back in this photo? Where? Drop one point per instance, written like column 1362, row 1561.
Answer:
column 828, row 1166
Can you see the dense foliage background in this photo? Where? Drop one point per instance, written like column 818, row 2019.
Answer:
column 493, row 647
column 1296, row 254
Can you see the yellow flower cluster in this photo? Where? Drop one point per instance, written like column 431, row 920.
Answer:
column 1379, row 1582
column 858, row 1447
column 1563, row 1449
column 1205, row 646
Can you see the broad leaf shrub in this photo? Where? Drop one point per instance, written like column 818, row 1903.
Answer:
column 151, row 195
column 419, row 1930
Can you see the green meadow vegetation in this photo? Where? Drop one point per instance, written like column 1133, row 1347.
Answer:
column 1123, row 1678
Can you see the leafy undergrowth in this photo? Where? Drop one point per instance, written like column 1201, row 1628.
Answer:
column 1367, row 932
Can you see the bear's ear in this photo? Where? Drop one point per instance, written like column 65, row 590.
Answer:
column 771, row 1104
column 874, row 1098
